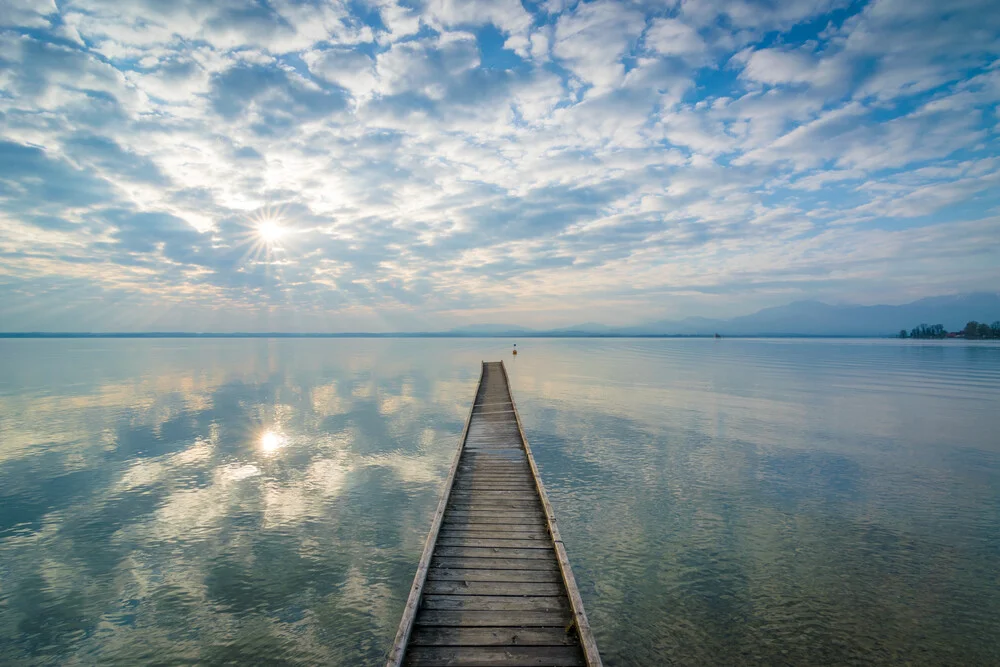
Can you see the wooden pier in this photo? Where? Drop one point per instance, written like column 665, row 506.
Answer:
column 494, row 585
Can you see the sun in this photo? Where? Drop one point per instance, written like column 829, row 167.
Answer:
column 270, row 231
column 267, row 237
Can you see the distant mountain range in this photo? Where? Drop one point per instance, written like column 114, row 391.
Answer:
column 800, row 318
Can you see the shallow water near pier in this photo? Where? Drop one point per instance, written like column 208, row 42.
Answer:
column 253, row 501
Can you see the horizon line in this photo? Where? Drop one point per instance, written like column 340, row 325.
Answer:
column 407, row 334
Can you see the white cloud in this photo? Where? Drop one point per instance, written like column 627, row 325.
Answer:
column 592, row 39
column 671, row 37
column 774, row 66
column 626, row 156
column 507, row 15
column 27, row 13
column 350, row 69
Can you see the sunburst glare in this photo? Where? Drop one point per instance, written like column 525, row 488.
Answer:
column 267, row 236
column 270, row 231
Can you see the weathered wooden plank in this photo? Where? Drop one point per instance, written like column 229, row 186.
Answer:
column 522, row 473
column 508, row 508
column 507, row 500
column 498, row 437
column 445, row 551
column 515, row 477
column 497, row 531
column 486, row 515
column 448, row 574
column 510, row 457
column 452, row 522
column 510, row 500
column 500, row 523
column 503, row 514
column 500, row 464
column 496, row 602
column 505, row 443
column 501, row 490
column 519, row 476
column 476, row 618
column 498, row 505
column 486, row 487
column 514, row 456
column 527, row 494
column 501, row 450
column 497, row 499
column 495, row 430
column 488, row 484
column 524, row 490
column 550, row 565
column 499, row 636
column 492, row 588
column 503, row 479
column 512, row 509
column 487, row 448
column 484, row 656
column 493, row 542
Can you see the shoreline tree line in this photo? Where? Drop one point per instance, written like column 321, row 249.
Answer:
column 972, row 331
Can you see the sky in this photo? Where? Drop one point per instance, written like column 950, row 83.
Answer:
column 387, row 165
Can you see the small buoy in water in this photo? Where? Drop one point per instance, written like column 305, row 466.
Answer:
column 515, row 349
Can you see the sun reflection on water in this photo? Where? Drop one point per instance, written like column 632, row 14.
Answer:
column 272, row 441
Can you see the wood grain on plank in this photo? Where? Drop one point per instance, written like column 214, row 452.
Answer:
column 493, row 552
column 492, row 588
column 497, row 602
column 486, row 656
column 497, row 636
column 493, row 542
column 494, row 618
column 550, row 565
column 481, row 574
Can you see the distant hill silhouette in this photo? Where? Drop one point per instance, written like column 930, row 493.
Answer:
column 814, row 318
column 800, row 318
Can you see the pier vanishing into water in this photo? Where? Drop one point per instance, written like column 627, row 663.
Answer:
column 494, row 585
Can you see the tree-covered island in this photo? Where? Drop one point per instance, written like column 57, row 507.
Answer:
column 972, row 331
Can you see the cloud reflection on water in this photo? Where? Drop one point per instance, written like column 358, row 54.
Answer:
column 268, row 500
column 172, row 512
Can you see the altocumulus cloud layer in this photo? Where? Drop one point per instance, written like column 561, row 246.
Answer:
column 443, row 162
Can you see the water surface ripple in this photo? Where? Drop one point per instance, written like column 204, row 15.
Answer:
column 757, row 502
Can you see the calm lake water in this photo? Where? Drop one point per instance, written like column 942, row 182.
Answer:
column 758, row 502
